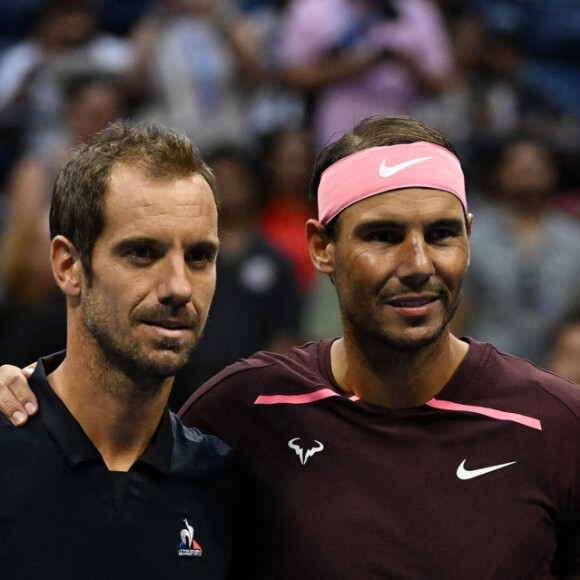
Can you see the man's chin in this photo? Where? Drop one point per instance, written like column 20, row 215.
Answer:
column 158, row 365
column 165, row 364
column 414, row 340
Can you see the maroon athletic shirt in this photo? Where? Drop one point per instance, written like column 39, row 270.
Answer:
column 481, row 482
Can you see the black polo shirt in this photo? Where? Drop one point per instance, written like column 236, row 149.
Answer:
column 64, row 515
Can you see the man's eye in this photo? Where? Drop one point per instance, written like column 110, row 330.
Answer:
column 384, row 236
column 442, row 234
column 199, row 256
column 140, row 253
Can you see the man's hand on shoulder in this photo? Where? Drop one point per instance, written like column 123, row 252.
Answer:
column 17, row 401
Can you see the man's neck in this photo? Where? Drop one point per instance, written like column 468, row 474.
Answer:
column 118, row 418
column 396, row 379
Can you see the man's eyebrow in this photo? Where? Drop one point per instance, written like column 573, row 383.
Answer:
column 210, row 246
column 451, row 223
column 132, row 242
column 378, row 224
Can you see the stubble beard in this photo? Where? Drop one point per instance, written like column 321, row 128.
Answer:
column 398, row 342
column 146, row 371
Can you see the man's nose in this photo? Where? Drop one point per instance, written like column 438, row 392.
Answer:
column 415, row 265
column 175, row 287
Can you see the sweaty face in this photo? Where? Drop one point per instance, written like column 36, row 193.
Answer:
column 153, row 272
column 399, row 263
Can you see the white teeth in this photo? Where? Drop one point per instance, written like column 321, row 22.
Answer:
column 411, row 303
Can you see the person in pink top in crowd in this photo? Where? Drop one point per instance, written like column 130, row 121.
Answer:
column 355, row 58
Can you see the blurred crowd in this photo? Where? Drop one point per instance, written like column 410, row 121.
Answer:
column 260, row 86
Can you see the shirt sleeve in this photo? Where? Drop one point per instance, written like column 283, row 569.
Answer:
column 223, row 405
column 561, row 427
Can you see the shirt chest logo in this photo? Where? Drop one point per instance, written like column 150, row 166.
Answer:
column 188, row 547
column 465, row 474
column 304, row 454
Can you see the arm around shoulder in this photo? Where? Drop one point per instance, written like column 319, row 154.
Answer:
column 17, row 401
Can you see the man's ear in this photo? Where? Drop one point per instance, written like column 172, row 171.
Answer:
column 469, row 224
column 469, row 230
column 321, row 247
column 66, row 266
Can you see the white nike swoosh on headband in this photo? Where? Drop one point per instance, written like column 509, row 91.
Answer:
column 386, row 171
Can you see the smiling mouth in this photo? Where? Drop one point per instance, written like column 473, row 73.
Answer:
column 169, row 325
column 412, row 302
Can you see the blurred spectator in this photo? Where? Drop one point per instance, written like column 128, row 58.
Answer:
column 257, row 303
column 287, row 167
column 197, row 62
column 550, row 30
column 256, row 5
column 274, row 104
column 119, row 16
column 66, row 42
column 497, row 89
column 356, row 58
column 564, row 358
column 15, row 22
column 320, row 313
column 32, row 317
column 549, row 74
column 32, row 308
column 483, row 101
column 15, row 25
column 525, row 267
column 568, row 201
column 91, row 103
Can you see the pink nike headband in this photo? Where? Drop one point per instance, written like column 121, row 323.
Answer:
column 381, row 169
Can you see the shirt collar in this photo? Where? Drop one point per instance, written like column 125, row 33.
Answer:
column 73, row 442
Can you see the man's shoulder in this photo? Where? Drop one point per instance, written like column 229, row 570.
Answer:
column 223, row 405
column 253, row 375
column 203, row 444
column 522, row 382
column 28, row 449
column 8, row 431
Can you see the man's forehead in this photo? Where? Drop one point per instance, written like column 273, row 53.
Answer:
column 140, row 171
column 129, row 185
column 135, row 202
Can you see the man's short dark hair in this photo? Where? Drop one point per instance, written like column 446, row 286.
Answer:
column 78, row 198
column 377, row 131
